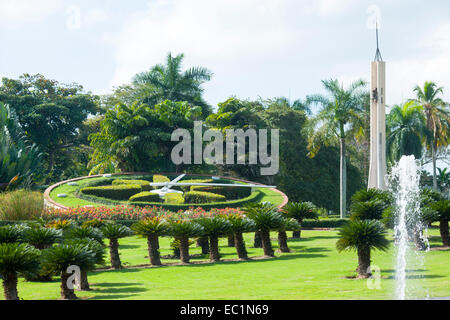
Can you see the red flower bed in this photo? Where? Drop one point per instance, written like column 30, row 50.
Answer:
column 132, row 213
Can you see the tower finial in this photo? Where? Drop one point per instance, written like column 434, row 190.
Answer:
column 378, row 56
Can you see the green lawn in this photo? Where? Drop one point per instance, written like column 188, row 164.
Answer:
column 314, row 270
column 72, row 201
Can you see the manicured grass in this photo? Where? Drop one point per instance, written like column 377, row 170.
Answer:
column 314, row 270
column 72, row 201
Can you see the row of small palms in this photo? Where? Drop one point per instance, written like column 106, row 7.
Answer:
column 38, row 250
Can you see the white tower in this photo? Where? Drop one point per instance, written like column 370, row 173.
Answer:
column 377, row 170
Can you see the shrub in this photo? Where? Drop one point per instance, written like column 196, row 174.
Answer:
column 231, row 193
column 41, row 237
column 158, row 179
column 191, row 188
column 21, row 205
column 174, row 198
column 10, row 234
column 117, row 192
column 144, row 184
column 145, row 196
column 203, row 197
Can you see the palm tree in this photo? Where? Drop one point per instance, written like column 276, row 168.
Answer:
column 339, row 110
column 152, row 228
column 364, row 236
column 442, row 208
column 443, row 179
column 59, row 258
column 114, row 232
column 11, row 234
column 182, row 230
column 298, row 105
column 286, row 225
column 438, row 119
column 169, row 82
column 240, row 225
column 98, row 250
column 406, row 129
column 85, row 232
column 266, row 218
column 15, row 259
column 213, row 228
column 300, row 211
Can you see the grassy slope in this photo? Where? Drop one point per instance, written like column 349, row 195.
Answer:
column 72, row 201
column 314, row 270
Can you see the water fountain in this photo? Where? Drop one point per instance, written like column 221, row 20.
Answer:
column 409, row 237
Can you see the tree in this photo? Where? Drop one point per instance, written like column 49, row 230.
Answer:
column 286, row 225
column 266, row 218
column 19, row 159
column 138, row 137
column 213, row 228
column 239, row 225
column 443, row 179
column 437, row 119
column 152, row 228
column 16, row 259
column 50, row 114
column 182, row 230
column 338, row 111
column 442, row 208
column 59, row 258
column 114, row 232
column 169, row 82
column 364, row 236
column 300, row 211
column 405, row 131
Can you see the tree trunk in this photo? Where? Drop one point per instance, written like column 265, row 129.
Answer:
column 282, row 241
column 363, row 262
column 66, row 293
column 84, row 283
column 240, row 246
column 296, row 234
column 231, row 240
column 214, row 255
column 266, row 244
column 203, row 243
column 257, row 241
column 343, row 182
column 153, row 250
column 443, row 228
column 184, row 249
column 10, row 286
column 114, row 254
column 433, row 157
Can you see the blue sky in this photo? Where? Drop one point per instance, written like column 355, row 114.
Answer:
column 255, row 48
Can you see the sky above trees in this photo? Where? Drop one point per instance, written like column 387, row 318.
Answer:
column 255, row 48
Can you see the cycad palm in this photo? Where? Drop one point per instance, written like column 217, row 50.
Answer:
column 114, row 232
column 152, row 228
column 341, row 108
column 300, row 211
column 213, row 228
column 437, row 119
column 363, row 236
column 169, row 82
column 406, row 129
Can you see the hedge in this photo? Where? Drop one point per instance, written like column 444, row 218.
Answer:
column 189, row 188
column 145, row 185
column 145, row 197
column 230, row 193
column 117, row 192
column 195, row 197
column 174, row 198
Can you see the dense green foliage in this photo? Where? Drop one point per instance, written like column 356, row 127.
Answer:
column 145, row 196
column 116, row 192
column 202, row 197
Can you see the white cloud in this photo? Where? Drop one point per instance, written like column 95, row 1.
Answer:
column 15, row 13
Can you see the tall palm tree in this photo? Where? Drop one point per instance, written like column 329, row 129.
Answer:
column 339, row 109
column 362, row 235
column 152, row 229
column 16, row 258
column 406, row 129
column 438, row 119
column 169, row 82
